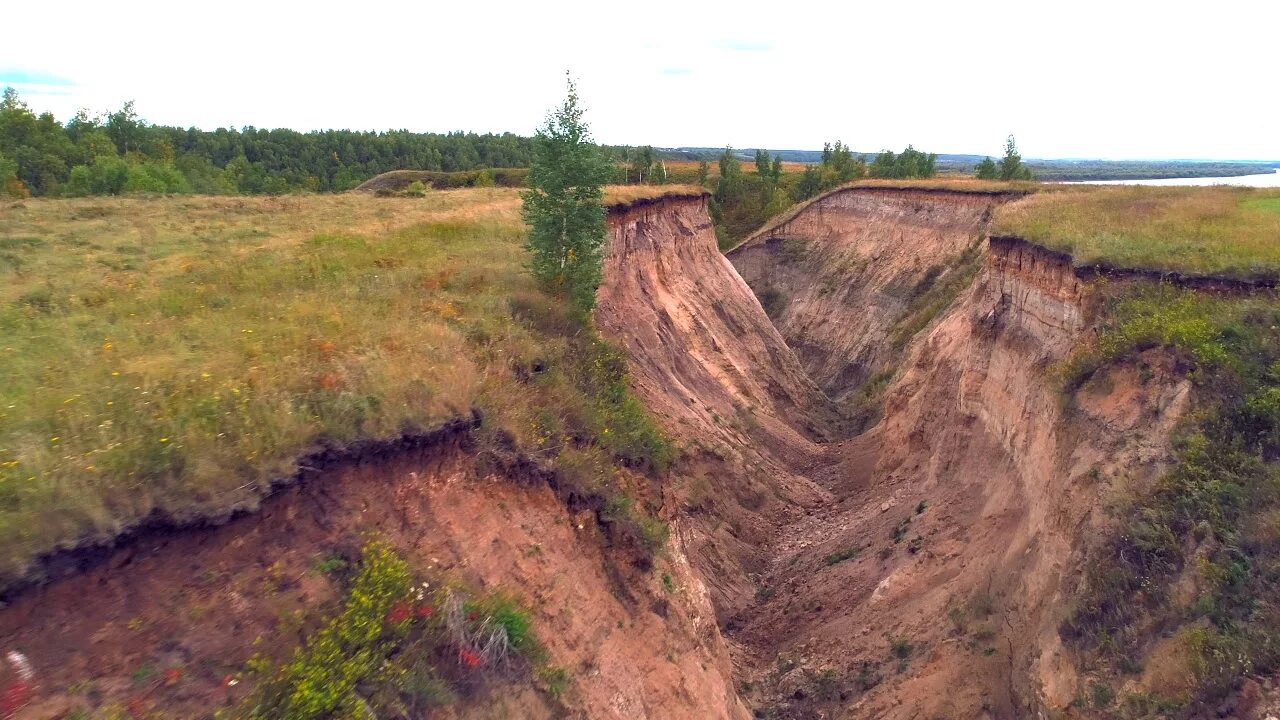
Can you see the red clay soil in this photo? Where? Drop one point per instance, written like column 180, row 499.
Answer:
column 164, row 626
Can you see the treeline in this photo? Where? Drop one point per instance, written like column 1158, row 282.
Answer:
column 118, row 153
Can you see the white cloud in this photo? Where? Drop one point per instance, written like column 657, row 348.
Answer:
column 1087, row 78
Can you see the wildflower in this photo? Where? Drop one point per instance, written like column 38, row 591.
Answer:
column 164, row 440
column 399, row 613
column 468, row 658
column 20, row 665
column 14, row 698
column 425, row 611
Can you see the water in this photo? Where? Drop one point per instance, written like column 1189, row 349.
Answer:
column 1272, row 180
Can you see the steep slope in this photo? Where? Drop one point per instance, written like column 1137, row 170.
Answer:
column 962, row 515
column 920, row 569
column 714, row 370
column 839, row 276
column 167, row 625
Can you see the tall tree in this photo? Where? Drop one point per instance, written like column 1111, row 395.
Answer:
column 986, row 170
column 762, row 163
column 1011, row 167
column 563, row 206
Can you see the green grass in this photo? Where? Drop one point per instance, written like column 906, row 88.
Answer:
column 1215, row 516
column 1210, row 230
column 174, row 355
column 1265, row 204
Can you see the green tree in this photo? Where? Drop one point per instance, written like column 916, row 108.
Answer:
column 839, row 165
column 704, row 173
column 776, row 169
column 9, row 183
column 1011, row 167
column 986, row 170
column 641, row 163
column 563, row 206
column 810, row 184
column 660, row 176
column 762, row 163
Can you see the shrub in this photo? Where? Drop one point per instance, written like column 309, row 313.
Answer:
column 840, row 556
column 416, row 189
column 386, row 647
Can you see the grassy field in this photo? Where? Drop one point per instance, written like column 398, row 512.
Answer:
column 1208, row 230
column 176, row 354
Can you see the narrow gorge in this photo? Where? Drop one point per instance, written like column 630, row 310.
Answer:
column 904, row 541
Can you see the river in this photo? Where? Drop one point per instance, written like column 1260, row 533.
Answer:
column 1272, row 180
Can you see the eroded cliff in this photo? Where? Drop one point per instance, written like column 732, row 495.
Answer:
column 923, row 566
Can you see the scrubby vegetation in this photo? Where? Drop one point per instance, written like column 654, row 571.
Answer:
column 174, row 355
column 1211, row 525
column 397, row 648
column 1217, row 230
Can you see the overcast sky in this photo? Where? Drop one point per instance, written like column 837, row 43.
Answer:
column 1113, row 79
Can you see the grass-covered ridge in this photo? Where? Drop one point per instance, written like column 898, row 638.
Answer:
column 1223, row 231
column 175, row 355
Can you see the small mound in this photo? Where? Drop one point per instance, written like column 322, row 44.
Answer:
column 396, row 181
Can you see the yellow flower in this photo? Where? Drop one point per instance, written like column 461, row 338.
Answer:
column 164, row 439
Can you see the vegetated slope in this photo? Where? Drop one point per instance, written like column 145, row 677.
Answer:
column 851, row 277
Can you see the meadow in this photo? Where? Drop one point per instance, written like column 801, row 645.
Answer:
column 174, row 355
column 1206, row 230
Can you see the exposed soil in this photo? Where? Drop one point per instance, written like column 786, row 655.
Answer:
column 166, row 623
column 919, row 569
column 838, row 276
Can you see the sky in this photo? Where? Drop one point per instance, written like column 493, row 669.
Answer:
column 1121, row 79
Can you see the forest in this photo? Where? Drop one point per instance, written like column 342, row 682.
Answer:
column 119, row 152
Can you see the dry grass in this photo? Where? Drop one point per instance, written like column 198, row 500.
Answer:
column 1200, row 230
column 175, row 355
column 957, row 183
column 713, row 166
column 623, row 195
